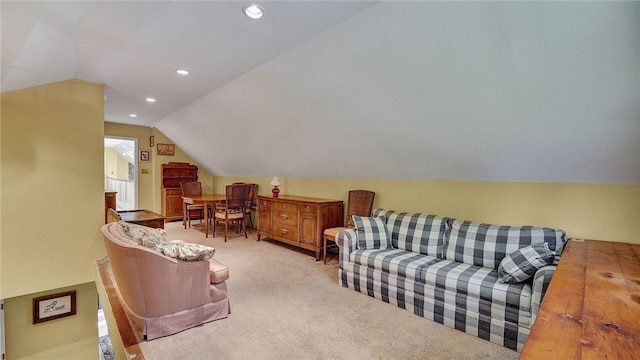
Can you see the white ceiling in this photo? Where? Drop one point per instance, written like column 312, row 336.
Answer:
column 135, row 47
column 439, row 90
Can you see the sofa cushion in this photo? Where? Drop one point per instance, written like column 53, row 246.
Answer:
column 395, row 261
column 477, row 289
column 521, row 264
column 371, row 232
column 486, row 245
column 419, row 233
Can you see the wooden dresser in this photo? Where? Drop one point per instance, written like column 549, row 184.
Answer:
column 298, row 221
column 592, row 307
column 172, row 175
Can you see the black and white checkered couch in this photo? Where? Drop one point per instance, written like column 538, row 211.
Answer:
column 447, row 270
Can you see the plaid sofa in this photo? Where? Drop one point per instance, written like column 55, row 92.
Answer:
column 447, row 270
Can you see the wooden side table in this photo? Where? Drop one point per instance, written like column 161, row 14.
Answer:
column 143, row 217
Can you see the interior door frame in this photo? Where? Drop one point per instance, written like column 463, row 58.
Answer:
column 135, row 164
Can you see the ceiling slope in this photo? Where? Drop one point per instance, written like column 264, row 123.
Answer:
column 506, row 91
column 135, row 47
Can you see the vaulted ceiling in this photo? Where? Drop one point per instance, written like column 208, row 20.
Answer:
column 507, row 91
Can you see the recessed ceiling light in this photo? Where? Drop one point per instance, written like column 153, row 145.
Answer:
column 182, row 72
column 150, row 99
column 133, row 115
column 253, row 11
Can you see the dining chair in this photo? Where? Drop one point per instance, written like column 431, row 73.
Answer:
column 360, row 203
column 250, row 201
column 232, row 210
column 192, row 188
column 113, row 216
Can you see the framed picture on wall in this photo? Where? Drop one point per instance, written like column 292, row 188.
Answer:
column 166, row 149
column 144, row 155
column 54, row 306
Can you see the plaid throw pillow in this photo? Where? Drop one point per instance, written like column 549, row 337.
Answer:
column 371, row 232
column 521, row 264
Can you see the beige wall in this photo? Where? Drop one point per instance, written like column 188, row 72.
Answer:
column 590, row 211
column 149, row 171
column 52, row 208
column 73, row 337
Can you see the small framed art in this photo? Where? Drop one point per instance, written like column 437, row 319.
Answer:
column 144, row 155
column 166, row 149
column 54, row 306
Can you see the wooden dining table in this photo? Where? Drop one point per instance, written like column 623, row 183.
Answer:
column 204, row 199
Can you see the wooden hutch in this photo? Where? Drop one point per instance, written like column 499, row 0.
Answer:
column 173, row 174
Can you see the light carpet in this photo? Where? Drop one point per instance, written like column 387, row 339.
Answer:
column 285, row 305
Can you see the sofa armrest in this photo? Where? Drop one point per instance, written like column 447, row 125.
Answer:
column 347, row 243
column 541, row 280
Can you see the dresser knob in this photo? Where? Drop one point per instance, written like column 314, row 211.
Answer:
column 284, row 231
column 284, row 205
column 284, row 216
column 308, row 208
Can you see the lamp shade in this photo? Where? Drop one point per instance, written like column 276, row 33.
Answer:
column 275, row 182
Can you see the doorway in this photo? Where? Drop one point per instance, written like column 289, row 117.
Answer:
column 120, row 174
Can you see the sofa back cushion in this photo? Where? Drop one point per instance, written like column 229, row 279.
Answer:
column 486, row 245
column 416, row 232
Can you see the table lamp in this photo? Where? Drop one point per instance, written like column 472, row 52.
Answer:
column 275, row 183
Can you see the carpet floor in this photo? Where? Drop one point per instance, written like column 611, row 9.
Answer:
column 285, row 305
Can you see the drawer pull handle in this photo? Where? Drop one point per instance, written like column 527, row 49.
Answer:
column 284, row 231
column 308, row 208
column 284, row 216
column 264, row 202
column 284, row 206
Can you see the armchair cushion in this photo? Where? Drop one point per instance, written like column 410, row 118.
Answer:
column 179, row 249
column 371, row 232
column 186, row 251
column 217, row 272
column 521, row 264
column 137, row 232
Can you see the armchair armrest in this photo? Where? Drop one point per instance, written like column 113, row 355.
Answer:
column 347, row 243
column 541, row 280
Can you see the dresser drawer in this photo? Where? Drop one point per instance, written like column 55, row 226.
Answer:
column 285, row 216
column 306, row 209
column 265, row 204
column 285, row 206
column 173, row 192
column 288, row 232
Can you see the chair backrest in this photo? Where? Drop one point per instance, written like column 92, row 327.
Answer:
column 252, row 195
column 191, row 188
column 237, row 195
column 360, row 203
